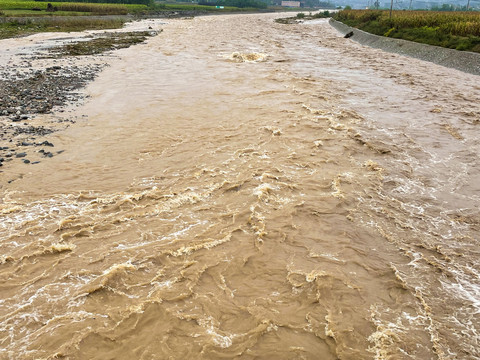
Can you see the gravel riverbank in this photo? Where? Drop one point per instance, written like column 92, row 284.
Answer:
column 41, row 82
column 25, row 96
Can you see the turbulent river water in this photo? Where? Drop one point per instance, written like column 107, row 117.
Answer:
column 243, row 188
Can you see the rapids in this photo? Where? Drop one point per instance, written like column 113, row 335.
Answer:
column 242, row 188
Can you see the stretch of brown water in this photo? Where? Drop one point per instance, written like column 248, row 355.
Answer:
column 242, row 188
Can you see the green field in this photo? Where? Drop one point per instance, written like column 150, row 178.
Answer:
column 20, row 13
column 19, row 8
column 17, row 14
column 455, row 30
column 15, row 28
column 29, row 8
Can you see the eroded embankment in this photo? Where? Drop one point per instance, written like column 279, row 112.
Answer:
column 468, row 62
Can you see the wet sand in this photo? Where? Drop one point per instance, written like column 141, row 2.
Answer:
column 241, row 188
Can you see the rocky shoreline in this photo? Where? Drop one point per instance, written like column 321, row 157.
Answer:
column 37, row 87
column 40, row 90
column 24, row 96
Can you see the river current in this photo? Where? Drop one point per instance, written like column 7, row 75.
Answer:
column 242, row 188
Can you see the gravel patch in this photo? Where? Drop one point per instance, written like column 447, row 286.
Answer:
column 41, row 80
column 28, row 98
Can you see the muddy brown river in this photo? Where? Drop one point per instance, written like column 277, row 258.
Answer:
column 239, row 188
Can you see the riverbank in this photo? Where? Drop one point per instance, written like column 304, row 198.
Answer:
column 41, row 79
column 16, row 26
column 468, row 62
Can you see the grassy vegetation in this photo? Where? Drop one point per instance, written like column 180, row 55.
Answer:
column 48, row 14
column 27, row 7
column 36, row 13
column 142, row 2
column 20, row 28
column 455, row 30
column 20, row 8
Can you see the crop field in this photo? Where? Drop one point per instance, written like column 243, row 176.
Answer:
column 16, row 28
column 39, row 8
column 456, row 30
column 27, row 7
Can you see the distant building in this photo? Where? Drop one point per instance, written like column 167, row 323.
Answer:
column 295, row 4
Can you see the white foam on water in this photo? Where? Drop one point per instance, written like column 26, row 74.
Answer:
column 465, row 289
column 175, row 235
